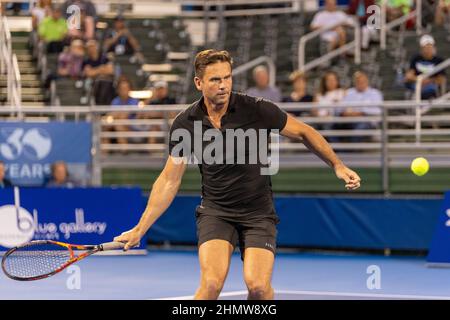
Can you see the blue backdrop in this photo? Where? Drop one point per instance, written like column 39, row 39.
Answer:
column 440, row 245
column 28, row 149
column 79, row 216
column 337, row 222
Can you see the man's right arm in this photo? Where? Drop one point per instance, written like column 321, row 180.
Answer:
column 163, row 192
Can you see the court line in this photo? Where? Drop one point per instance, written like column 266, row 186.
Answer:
column 326, row 293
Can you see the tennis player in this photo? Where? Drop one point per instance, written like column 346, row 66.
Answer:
column 237, row 206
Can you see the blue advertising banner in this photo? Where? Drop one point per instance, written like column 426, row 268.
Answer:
column 77, row 216
column 440, row 244
column 28, row 149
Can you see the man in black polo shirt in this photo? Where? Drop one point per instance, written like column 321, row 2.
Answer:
column 237, row 206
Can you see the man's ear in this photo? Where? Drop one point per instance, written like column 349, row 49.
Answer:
column 197, row 82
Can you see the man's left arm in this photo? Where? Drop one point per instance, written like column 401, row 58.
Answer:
column 315, row 142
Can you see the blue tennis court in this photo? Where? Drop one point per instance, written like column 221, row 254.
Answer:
column 302, row 276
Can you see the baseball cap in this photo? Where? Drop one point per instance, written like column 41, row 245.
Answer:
column 160, row 84
column 426, row 39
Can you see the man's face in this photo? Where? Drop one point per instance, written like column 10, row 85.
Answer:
column 261, row 79
column 361, row 82
column 2, row 171
column 119, row 24
column 216, row 83
column 92, row 50
column 299, row 85
column 60, row 173
column 428, row 51
column 161, row 92
column 330, row 5
column 56, row 14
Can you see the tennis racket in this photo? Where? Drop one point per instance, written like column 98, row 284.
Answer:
column 41, row 259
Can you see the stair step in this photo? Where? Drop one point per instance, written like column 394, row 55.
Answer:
column 25, row 91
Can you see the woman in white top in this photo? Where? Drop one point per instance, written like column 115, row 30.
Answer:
column 330, row 92
column 40, row 11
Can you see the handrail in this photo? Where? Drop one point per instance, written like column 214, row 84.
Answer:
column 355, row 44
column 386, row 26
column 255, row 62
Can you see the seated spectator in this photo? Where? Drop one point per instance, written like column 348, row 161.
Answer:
column 359, row 8
column 39, row 12
column 330, row 92
column 425, row 62
column 98, row 68
column 70, row 62
column 299, row 93
column 442, row 12
column 120, row 40
column 336, row 37
column 86, row 28
column 161, row 94
column 361, row 92
column 60, row 176
column 397, row 8
column 4, row 183
column 263, row 89
column 52, row 30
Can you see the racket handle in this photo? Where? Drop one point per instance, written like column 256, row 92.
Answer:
column 111, row 246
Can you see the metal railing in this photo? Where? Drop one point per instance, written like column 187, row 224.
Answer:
column 353, row 45
column 10, row 67
column 387, row 26
column 387, row 143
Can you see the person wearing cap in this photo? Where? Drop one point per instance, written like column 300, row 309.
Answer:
column 161, row 94
column 263, row 89
column 120, row 40
column 425, row 62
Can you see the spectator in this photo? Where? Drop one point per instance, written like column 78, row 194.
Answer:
column 120, row 40
column 161, row 94
column 60, row 176
column 336, row 37
column 263, row 89
column 70, row 62
column 330, row 92
column 98, row 68
column 361, row 92
column 4, row 183
column 39, row 12
column 442, row 12
column 397, row 8
column 298, row 93
column 86, row 28
column 52, row 30
column 359, row 8
column 425, row 62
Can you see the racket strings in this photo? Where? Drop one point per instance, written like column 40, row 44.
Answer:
column 35, row 260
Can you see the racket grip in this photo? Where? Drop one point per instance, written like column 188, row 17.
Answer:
column 111, row 246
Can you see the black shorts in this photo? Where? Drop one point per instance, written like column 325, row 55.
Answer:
column 247, row 231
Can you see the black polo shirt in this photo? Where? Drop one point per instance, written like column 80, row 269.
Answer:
column 234, row 188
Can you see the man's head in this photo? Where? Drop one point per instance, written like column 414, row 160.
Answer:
column 59, row 171
column 123, row 89
column 119, row 23
column 213, row 75
column 92, row 48
column 2, row 170
column 261, row 77
column 427, row 47
column 360, row 81
column 56, row 12
column 330, row 5
column 161, row 90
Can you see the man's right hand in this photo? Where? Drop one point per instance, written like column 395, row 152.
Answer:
column 131, row 238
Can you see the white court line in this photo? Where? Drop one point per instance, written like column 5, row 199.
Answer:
column 326, row 293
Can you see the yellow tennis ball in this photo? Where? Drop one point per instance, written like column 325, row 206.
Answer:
column 420, row 166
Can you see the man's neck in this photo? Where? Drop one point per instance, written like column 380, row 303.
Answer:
column 215, row 111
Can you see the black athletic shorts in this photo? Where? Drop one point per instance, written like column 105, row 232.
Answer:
column 246, row 231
